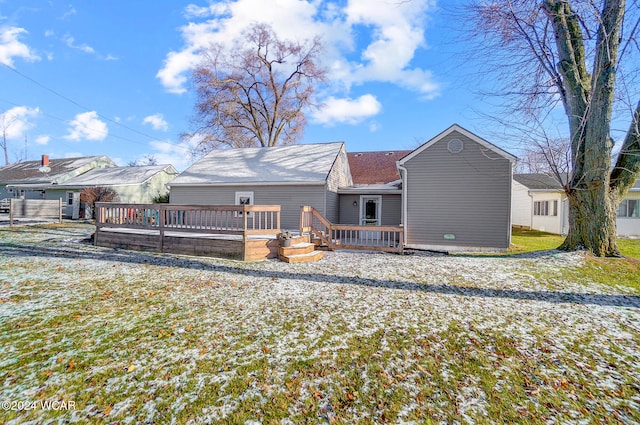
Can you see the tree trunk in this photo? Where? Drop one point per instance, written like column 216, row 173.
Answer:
column 592, row 222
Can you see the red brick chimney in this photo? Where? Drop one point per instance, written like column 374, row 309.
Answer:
column 45, row 160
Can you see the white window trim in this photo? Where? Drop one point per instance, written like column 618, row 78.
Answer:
column 378, row 199
column 249, row 195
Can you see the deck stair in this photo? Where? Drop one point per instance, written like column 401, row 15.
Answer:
column 300, row 251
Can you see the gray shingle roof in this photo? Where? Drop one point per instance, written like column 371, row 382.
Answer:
column 308, row 163
column 538, row 181
column 117, row 176
column 29, row 171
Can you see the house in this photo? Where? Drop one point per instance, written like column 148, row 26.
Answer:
column 132, row 184
column 456, row 193
column 451, row 193
column 539, row 203
column 24, row 179
column 375, row 197
column 289, row 176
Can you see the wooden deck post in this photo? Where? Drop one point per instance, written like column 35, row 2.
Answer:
column 162, row 210
column 60, row 210
column 11, row 206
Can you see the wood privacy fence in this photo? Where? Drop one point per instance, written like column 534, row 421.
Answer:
column 239, row 231
column 346, row 236
column 35, row 208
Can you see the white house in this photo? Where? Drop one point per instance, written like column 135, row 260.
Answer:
column 539, row 203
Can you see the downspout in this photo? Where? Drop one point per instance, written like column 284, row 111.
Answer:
column 403, row 218
column 530, row 210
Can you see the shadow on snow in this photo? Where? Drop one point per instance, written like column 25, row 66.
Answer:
column 244, row 269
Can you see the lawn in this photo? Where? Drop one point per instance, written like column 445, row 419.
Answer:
column 608, row 271
column 355, row 338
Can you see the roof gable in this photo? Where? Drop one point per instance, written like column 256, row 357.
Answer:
column 375, row 168
column 464, row 132
column 296, row 164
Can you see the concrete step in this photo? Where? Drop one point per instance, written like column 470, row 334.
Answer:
column 303, row 258
column 297, row 249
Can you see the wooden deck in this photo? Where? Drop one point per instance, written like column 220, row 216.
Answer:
column 346, row 236
column 247, row 232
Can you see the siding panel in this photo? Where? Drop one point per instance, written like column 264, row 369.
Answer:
column 290, row 198
column 467, row 195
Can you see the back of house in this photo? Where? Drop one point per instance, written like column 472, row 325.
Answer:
column 457, row 193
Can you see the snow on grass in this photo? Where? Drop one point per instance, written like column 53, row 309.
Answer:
column 357, row 337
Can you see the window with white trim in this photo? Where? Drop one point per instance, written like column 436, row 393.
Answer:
column 69, row 198
column 629, row 208
column 244, row 198
column 545, row 208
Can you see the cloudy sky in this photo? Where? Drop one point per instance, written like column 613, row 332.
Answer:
column 112, row 78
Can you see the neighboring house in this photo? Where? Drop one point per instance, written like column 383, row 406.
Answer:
column 451, row 193
column 289, row 176
column 138, row 185
column 24, row 179
column 539, row 203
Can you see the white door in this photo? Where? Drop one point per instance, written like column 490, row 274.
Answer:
column 370, row 209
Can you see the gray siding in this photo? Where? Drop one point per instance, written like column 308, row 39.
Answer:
column 467, row 194
column 391, row 209
column 290, row 198
column 332, row 212
column 339, row 176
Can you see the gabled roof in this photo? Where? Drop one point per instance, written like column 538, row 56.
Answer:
column 538, row 181
column 375, row 168
column 292, row 164
column 117, row 176
column 29, row 171
column 464, row 132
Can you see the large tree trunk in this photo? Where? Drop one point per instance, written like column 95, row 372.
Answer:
column 592, row 222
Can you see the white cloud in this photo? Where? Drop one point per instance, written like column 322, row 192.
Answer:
column 15, row 121
column 348, row 111
column 87, row 126
column 70, row 42
column 70, row 12
column 178, row 155
column 395, row 31
column 157, row 121
column 11, row 47
column 42, row 139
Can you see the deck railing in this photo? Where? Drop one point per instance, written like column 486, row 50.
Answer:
column 371, row 238
column 245, row 220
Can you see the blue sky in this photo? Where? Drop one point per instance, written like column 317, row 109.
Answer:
column 112, row 77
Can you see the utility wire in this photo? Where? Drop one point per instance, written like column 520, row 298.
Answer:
column 68, row 99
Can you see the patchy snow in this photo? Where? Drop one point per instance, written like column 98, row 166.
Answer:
column 157, row 331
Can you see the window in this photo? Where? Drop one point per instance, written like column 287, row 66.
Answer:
column 244, row 198
column 69, row 198
column 547, row 208
column 629, row 208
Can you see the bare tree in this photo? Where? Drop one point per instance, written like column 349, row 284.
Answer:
column 90, row 195
column 573, row 53
column 253, row 93
column 7, row 120
column 146, row 160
